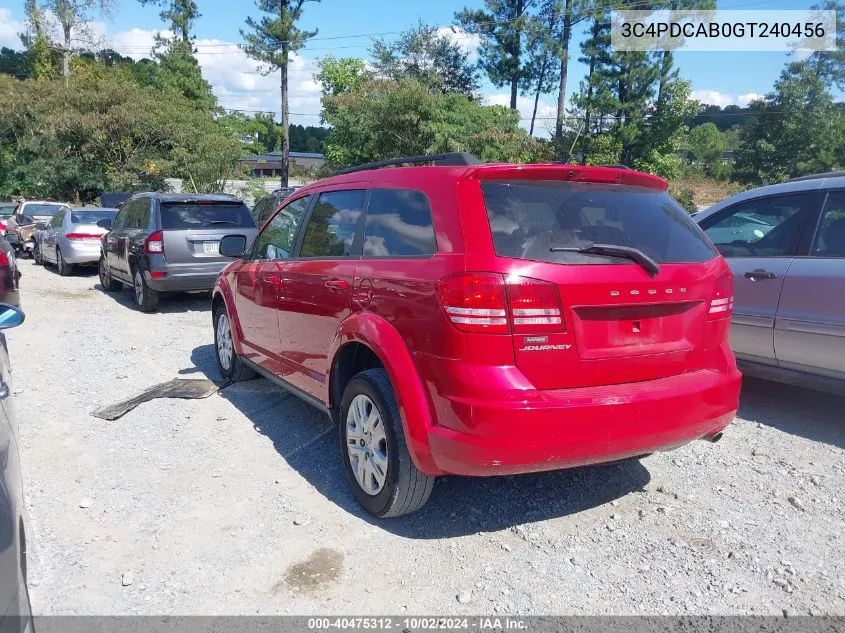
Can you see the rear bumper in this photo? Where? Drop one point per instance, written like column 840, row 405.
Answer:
column 81, row 252
column 178, row 278
column 550, row 430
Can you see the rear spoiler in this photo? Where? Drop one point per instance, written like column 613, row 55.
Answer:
column 571, row 173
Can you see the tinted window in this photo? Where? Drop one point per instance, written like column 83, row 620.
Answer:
column 85, row 216
column 331, row 229
column 830, row 238
column 120, row 218
column 763, row 227
column 7, row 209
column 277, row 239
column 261, row 210
column 398, row 224
column 529, row 218
column 43, row 210
column 194, row 215
column 56, row 222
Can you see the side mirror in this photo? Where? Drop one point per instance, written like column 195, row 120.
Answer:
column 10, row 316
column 233, row 246
column 40, row 226
column 105, row 223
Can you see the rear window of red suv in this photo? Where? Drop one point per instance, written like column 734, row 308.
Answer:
column 530, row 218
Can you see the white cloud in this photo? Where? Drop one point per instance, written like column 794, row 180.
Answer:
column 469, row 42
column 235, row 78
column 546, row 112
column 9, row 30
column 713, row 97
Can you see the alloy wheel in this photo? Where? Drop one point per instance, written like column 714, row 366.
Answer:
column 225, row 349
column 366, row 444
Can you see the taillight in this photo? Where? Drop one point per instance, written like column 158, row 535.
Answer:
column 486, row 302
column 475, row 302
column 722, row 304
column 4, row 260
column 154, row 244
column 82, row 236
column 534, row 306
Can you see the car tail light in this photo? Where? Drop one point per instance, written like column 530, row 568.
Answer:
column 4, row 260
column 722, row 304
column 154, row 245
column 158, row 275
column 534, row 306
column 83, row 236
column 2, row 226
column 475, row 302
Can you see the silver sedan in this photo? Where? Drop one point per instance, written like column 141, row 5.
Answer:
column 72, row 237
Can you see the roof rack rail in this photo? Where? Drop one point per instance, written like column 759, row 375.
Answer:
column 828, row 174
column 566, row 162
column 450, row 159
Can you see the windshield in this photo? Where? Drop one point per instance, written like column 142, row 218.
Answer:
column 192, row 215
column 41, row 210
column 7, row 209
column 91, row 216
column 530, row 218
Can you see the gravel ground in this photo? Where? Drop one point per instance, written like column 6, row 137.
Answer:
column 236, row 505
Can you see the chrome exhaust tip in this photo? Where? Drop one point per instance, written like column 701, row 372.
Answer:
column 713, row 438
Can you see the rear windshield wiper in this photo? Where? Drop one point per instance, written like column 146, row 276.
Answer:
column 219, row 222
column 614, row 250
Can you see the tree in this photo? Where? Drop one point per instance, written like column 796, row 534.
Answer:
column 543, row 61
column 270, row 41
column 179, row 69
column 181, row 14
column 830, row 65
column 707, row 144
column 572, row 12
column 502, row 28
column 381, row 118
column 41, row 55
column 799, row 132
column 433, row 59
column 73, row 16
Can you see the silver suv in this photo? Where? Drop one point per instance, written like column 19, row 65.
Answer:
column 786, row 246
column 161, row 242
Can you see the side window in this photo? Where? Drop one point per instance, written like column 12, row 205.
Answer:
column 277, row 239
column 830, row 238
column 764, row 227
column 120, row 218
column 130, row 213
column 332, row 226
column 144, row 214
column 259, row 211
column 57, row 220
column 398, row 224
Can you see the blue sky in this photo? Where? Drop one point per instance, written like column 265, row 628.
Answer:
column 344, row 27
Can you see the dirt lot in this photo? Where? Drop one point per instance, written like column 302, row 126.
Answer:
column 236, row 505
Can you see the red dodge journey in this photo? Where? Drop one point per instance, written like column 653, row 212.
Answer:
column 467, row 319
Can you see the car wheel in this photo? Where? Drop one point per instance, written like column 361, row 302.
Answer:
column 145, row 297
column 376, row 463
column 63, row 267
column 36, row 255
column 230, row 365
column 106, row 281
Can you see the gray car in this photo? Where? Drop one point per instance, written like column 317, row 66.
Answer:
column 162, row 242
column 15, row 613
column 71, row 238
column 786, row 246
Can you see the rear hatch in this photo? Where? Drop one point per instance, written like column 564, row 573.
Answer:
column 193, row 229
column 631, row 306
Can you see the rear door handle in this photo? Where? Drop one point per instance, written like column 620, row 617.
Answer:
column 760, row 274
column 337, row 284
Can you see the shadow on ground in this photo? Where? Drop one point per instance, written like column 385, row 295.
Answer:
column 169, row 302
column 811, row 414
column 307, row 440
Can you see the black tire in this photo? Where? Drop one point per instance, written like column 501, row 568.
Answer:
column 106, row 281
column 36, row 255
column 237, row 370
column 63, row 268
column 145, row 297
column 405, row 489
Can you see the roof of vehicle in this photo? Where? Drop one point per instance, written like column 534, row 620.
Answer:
column 816, row 183
column 64, row 204
column 83, row 209
column 188, row 197
column 406, row 176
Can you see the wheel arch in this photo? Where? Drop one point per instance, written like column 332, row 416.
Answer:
column 363, row 337
column 222, row 295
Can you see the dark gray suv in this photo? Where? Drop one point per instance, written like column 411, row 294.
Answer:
column 161, row 242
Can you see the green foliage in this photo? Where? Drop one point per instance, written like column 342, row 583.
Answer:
column 181, row 14
column 337, row 76
column 686, row 198
column 382, row 119
column 707, row 144
column 502, row 26
column 801, row 134
column 271, row 39
column 434, row 60
column 666, row 165
column 104, row 132
column 605, row 149
column 179, row 70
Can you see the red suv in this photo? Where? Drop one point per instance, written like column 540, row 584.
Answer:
column 472, row 319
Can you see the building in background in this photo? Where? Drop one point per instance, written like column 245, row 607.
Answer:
column 270, row 165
